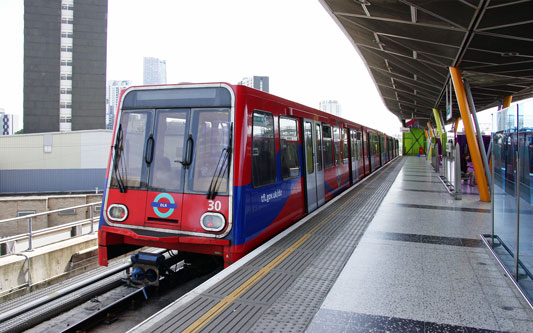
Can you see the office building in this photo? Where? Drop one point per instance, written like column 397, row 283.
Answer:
column 64, row 65
column 113, row 89
column 256, row 82
column 154, row 71
column 8, row 123
column 330, row 106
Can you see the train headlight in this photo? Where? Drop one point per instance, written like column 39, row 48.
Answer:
column 117, row 212
column 213, row 221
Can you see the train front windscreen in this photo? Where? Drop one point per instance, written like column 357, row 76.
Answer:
column 172, row 149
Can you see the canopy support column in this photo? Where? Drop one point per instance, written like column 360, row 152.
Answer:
column 455, row 127
column 507, row 101
column 442, row 131
column 479, row 170
column 430, row 142
column 478, row 130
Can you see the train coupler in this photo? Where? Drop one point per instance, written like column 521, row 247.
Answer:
column 147, row 268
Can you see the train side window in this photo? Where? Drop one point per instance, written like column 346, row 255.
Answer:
column 345, row 146
column 328, row 146
column 288, row 142
column 263, row 149
column 337, row 144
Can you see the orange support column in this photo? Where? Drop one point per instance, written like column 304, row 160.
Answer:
column 456, row 127
column 471, row 139
column 430, row 130
column 507, row 101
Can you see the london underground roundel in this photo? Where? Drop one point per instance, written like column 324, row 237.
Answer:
column 158, row 205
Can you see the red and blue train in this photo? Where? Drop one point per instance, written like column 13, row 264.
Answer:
column 219, row 169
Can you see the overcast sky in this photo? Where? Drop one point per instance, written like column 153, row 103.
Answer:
column 296, row 43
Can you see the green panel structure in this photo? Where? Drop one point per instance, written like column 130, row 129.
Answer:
column 412, row 142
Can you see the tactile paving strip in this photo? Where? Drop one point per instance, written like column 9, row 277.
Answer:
column 289, row 295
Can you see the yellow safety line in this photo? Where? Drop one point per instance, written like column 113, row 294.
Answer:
column 228, row 300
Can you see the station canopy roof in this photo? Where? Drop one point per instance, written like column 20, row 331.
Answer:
column 409, row 45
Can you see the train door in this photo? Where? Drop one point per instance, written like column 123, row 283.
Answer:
column 186, row 147
column 370, row 151
column 381, row 150
column 314, row 170
column 359, row 153
column 166, row 176
column 366, row 159
column 320, row 183
column 354, row 153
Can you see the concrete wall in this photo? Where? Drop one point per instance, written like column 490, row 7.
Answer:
column 45, row 263
column 10, row 206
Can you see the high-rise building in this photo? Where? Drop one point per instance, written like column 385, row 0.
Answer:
column 256, row 82
column 8, row 123
column 330, row 106
column 112, row 95
column 154, row 71
column 64, row 65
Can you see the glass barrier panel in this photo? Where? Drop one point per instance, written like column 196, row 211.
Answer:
column 525, row 151
column 503, row 152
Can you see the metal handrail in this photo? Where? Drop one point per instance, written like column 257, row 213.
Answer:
column 48, row 212
column 32, row 233
column 48, row 230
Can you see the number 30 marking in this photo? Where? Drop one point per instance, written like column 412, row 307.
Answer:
column 214, row 205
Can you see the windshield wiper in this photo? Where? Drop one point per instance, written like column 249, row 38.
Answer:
column 118, row 169
column 189, row 146
column 221, row 168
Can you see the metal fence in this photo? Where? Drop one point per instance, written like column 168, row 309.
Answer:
column 32, row 239
column 450, row 171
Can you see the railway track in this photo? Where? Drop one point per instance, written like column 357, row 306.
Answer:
column 99, row 298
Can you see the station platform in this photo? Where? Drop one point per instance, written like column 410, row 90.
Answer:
column 396, row 253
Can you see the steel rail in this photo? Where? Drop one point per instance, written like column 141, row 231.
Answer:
column 92, row 320
column 55, row 295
